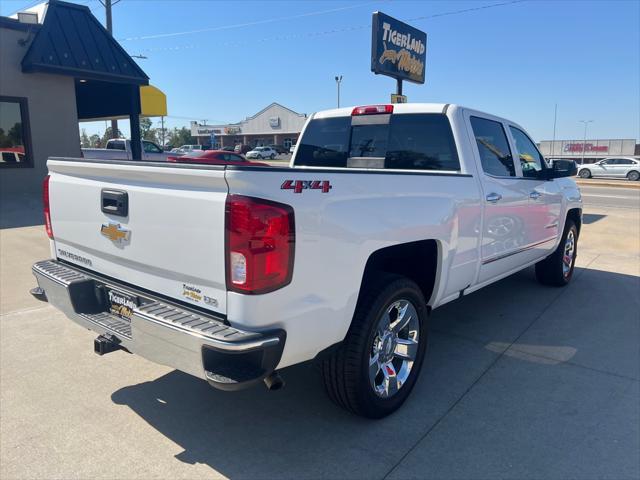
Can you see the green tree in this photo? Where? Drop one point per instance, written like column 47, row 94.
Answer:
column 107, row 135
column 180, row 136
column 84, row 139
column 95, row 141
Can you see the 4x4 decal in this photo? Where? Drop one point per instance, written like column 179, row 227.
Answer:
column 299, row 185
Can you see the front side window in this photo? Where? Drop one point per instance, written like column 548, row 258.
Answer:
column 493, row 146
column 531, row 160
column 406, row 142
column 14, row 128
column 150, row 147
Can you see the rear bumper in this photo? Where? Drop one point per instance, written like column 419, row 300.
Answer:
column 162, row 331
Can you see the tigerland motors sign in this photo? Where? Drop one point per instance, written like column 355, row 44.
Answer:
column 397, row 49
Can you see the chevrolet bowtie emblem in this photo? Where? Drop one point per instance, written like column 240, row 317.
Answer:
column 115, row 233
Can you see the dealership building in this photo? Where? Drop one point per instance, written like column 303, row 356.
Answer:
column 590, row 150
column 273, row 125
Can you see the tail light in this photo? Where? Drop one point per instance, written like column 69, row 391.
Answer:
column 46, row 207
column 260, row 241
column 372, row 110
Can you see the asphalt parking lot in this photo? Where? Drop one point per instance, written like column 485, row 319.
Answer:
column 520, row 381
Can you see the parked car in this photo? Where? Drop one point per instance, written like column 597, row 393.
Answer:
column 230, row 274
column 618, row 167
column 280, row 149
column 262, row 153
column 184, row 149
column 241, row 148
column 292, row 148
column 120, row 149
column 215, row 157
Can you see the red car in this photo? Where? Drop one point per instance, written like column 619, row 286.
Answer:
column 215, row 157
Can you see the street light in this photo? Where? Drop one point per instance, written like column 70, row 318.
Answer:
column 338, row 82
column 584, row 142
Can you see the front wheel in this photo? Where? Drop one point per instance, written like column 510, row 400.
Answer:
column 376, row 367
column 633, row 176
column 557, row 269
column 585, row 173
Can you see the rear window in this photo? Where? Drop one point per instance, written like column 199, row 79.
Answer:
column 407, row 142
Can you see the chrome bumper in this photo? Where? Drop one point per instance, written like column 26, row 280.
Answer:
column 162, row 331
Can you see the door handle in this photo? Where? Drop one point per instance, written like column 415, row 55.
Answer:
column 494, row 197
column 535, row 195
column 114, row 202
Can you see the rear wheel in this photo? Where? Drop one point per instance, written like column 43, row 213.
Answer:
column 376, row 367
column 585, row 173
column 557, row 269
column 633, row 176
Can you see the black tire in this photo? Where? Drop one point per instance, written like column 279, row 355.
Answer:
column 633, row 176
column 346, row 371
column 550, row 270
column 585, row 173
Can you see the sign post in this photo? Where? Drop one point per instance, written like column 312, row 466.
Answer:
column 398, row 50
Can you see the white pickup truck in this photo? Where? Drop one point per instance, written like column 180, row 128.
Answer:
column 120, row 149
column 231, row 273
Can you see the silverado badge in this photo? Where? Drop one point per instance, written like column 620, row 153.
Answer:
column 115, row 233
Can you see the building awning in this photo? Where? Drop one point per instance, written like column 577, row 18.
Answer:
column 72, row 42
column 92, row 107
column 153, row 102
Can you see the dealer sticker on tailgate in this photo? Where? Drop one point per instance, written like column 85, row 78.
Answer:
column 122, row 304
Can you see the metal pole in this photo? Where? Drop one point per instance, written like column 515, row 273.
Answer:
column 399, row 86
column 584, row 141
column 107, row 7
column 338, row 82
column 162, row 126
column 553, row 143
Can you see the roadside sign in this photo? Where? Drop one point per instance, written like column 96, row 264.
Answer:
column 397, row 49
column 395, row 98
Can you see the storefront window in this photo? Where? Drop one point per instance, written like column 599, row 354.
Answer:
column 287, row 143
column 15, row 148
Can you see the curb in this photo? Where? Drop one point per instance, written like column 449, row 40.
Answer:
column 598, row 183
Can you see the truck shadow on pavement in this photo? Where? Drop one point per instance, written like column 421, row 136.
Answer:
column 298, row 433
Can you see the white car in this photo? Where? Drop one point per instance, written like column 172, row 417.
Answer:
column 292, row 148
column 184, row 149
column 231, row 273
column 262, row 153
column 618, row 167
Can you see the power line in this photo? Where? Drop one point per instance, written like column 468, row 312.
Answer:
column 329, row 32
column 246, row 24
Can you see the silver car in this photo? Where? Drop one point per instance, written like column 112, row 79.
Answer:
column 618, row 167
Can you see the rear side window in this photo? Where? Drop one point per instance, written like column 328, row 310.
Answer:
column 116, row 145
column 495, row 154
column 407, row 142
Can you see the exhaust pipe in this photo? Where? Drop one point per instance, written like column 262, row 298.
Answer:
column 274, row 381
column 106, row 344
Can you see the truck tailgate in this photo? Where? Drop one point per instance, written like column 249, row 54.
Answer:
column 171, row 240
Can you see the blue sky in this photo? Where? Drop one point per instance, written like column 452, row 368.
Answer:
column 515, row 60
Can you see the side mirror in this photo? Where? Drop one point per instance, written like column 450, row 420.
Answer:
column 561, row 168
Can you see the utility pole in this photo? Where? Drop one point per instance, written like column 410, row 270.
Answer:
column 107, row 7
column 338, row 82
column 553, row 143
column 584, row 142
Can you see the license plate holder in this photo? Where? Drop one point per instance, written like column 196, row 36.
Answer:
column 121, row 304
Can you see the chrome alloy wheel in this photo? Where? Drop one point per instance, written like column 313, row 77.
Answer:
column 394, row 349
column 569, row 252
